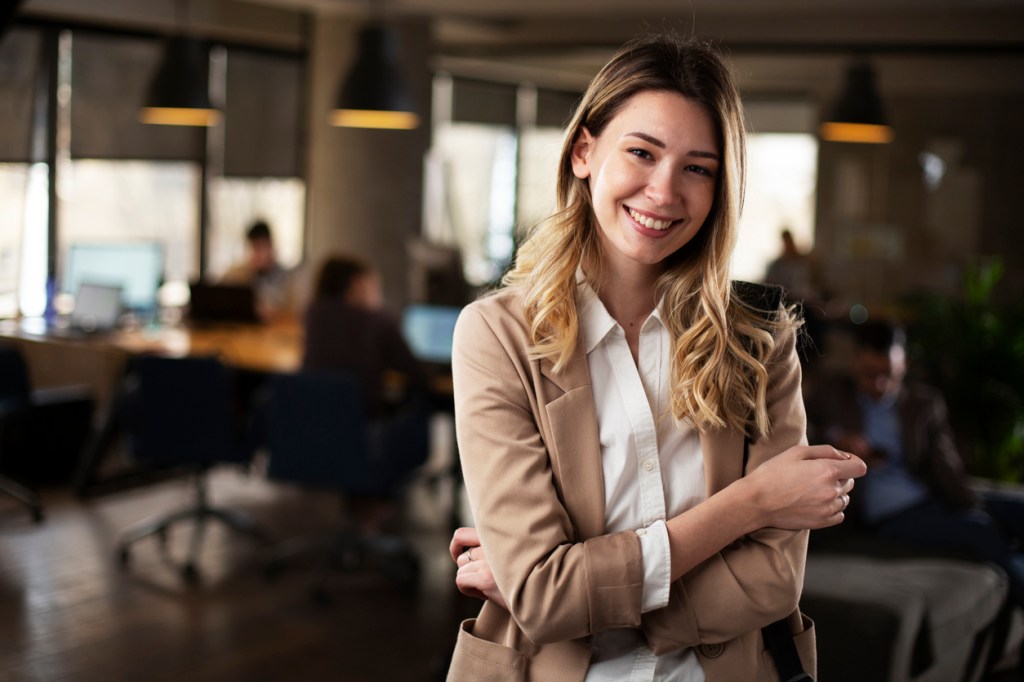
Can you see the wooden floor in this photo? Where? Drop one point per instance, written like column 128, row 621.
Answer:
column 70, row 611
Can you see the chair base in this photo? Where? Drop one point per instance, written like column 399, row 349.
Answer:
column 200, row 514
column 27, row 497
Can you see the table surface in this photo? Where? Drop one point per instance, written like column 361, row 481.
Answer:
column 266, row 348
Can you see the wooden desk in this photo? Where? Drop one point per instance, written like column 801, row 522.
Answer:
column 250, row 347
column 99, row 361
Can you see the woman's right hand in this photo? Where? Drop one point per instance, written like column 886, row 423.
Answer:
column 806, row 486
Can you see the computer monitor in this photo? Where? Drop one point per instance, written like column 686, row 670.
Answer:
column 428, row 330
column 136, row 267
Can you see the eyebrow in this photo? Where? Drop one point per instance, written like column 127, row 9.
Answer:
column 658, row 143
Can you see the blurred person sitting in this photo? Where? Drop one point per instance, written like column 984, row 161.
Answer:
column 916, row 490
column 348, row 329
column 272, row 282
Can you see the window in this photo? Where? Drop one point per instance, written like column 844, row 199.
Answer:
column 491, row 171
column 262, row 139
column 129, row 201
column 120, row 181
column 782, row 171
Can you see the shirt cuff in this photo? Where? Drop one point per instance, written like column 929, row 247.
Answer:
column 654, row 549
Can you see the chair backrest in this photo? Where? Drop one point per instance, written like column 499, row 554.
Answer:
column 15, row 389
column 317, row 431
column 184, row 411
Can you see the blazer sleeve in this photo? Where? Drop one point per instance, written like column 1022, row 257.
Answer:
column 557, row 587
column 757, row 579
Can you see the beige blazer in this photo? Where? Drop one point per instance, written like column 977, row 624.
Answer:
column 528, row 439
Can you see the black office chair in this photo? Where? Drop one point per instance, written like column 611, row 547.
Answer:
column 318, row 436
column 42, row 431
column 182, row 413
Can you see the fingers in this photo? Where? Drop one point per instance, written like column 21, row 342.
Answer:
column 461, row 539
column 476, row 580
column 845, row 464
column 823, row 452
column 469, row 556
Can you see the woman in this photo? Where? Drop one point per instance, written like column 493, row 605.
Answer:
column 630, row 426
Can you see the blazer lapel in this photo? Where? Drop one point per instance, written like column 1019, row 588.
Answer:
column 574, row 444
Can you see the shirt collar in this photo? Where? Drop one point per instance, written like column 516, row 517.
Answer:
column 595, row 320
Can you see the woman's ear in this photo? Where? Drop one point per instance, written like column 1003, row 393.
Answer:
column 581, row 154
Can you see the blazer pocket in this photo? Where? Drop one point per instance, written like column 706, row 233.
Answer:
column 806, row 649
column 479, row 660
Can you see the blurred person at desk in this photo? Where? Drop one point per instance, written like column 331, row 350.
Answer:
column 273, row 283
column 348, row 329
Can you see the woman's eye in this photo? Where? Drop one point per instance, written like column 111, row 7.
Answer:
column 641, row 153
column 701, row 170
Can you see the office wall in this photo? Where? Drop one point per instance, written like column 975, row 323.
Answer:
column 365, row 186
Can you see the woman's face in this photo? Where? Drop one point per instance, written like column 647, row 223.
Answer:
column 652, row 174
column 365, row 291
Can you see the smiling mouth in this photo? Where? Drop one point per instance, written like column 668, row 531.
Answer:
column 649, row 222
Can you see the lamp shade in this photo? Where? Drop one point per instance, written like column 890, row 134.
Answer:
column 179, row 92
column 373, row 94
column 858, row 115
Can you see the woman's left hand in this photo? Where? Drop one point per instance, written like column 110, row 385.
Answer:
column 474, row 577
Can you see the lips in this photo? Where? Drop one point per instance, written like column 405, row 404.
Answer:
column 650, row 222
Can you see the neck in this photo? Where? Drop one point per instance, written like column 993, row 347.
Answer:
column 628, row 295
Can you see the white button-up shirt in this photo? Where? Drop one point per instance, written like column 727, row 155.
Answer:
column 653, row 470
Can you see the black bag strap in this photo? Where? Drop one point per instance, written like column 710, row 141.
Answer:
column 777, row 636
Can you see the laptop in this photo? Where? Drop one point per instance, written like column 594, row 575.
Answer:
column 428, row 330
column 97, row 311
column 222, row 303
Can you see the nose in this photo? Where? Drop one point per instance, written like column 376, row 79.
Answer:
column 663, row 187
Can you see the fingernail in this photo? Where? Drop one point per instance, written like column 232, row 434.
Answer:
column 847, row 455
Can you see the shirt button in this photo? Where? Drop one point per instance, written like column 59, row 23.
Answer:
column 649, row 465
column 641, row 532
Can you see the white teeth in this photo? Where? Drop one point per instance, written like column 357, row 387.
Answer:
column 649, row 222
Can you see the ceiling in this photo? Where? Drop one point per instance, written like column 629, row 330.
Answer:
column 562, row 43
column 777, row 45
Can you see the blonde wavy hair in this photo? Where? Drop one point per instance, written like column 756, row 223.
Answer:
column 720, row 342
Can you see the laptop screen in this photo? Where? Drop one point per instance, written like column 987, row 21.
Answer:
column 97, row 307
column 428, row 330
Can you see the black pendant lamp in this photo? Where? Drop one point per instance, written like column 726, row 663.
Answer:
column 858, row 115
column 179, row 93
column 373, row 94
